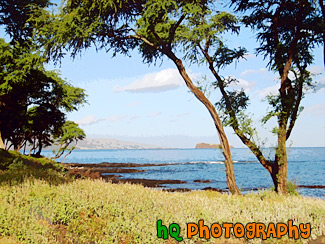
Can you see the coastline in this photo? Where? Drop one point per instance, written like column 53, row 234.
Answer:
column 113, row 172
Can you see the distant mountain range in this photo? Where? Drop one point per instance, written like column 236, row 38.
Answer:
column 106, row 143
column 109, row 143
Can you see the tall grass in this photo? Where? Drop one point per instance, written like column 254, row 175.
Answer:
column 87, row 211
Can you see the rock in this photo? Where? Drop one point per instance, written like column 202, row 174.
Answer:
column 213, row 189
column 177, row 190
column 202, row 181
column 145, row 182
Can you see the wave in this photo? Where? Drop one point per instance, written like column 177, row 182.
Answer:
column 204, row 162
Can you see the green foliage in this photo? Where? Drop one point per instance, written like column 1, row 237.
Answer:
column 32, row 100
column 69, row 132
column 287, row 32
column 292, row 188
column 238, row 100
column 14, row 15
column 292, row 28
column 204, row 32
column 154, row 27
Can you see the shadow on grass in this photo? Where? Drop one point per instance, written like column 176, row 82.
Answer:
column 15, row 168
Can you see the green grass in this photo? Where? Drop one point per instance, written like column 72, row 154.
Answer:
column 34, row 210
column 15, row 168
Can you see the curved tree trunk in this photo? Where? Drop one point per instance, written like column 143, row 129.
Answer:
column 231, row 181
column 2, row 145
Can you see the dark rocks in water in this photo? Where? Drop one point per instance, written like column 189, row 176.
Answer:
column 86, row 173
column 107, row 172
column 113, row 165
column 177, row 190
column 213, row 189
column 146, row 182
column 313, row 186
column 202, row 181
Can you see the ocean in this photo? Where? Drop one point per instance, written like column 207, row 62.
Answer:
column 306, row 166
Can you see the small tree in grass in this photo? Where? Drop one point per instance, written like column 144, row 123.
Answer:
column 70, row 134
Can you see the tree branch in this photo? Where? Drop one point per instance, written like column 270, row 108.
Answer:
column 286, row 87
column 164, row 48
column 276, row 34
column 296, row 108
column 321, row 3
column 146, row 41
column 173, row 30
column 235, row 124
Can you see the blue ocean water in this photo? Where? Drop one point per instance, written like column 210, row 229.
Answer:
column 306, row 166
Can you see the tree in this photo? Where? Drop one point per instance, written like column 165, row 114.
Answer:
column 69, row 133
column 288, row 31
column 151, row 26
column 42, row 123
column 33, row 101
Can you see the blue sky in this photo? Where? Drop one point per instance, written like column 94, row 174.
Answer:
column 133, row 101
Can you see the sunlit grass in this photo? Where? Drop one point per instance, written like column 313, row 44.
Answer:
column 87, row 211
column 40, row 203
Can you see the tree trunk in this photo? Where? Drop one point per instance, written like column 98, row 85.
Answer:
column 231, row 181
column 40, row 146
column 2, row 145
column 280, row 171
column 62, row 162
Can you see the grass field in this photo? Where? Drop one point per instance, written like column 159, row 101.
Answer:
column 45, row 205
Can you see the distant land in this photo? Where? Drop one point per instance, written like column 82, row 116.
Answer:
column 106, row 143
column 207, row 145
column 110, row 143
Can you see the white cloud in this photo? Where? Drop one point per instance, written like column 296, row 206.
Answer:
column 320, row 85
column 133, row 117
column 249, row 56
column 321, row 90
column 316, row 70
column 92, row 119
column 253, row 71
column 271, row 90
column 116, row 118
column 89, row 120
column 154, row 114
column 317, row 109
column 246, row 85
column 164, row 80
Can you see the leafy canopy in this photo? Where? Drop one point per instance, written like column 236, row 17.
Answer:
column 33, row 101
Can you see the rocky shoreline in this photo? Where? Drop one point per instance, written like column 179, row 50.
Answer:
column 112, row 172
column 114, row 175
